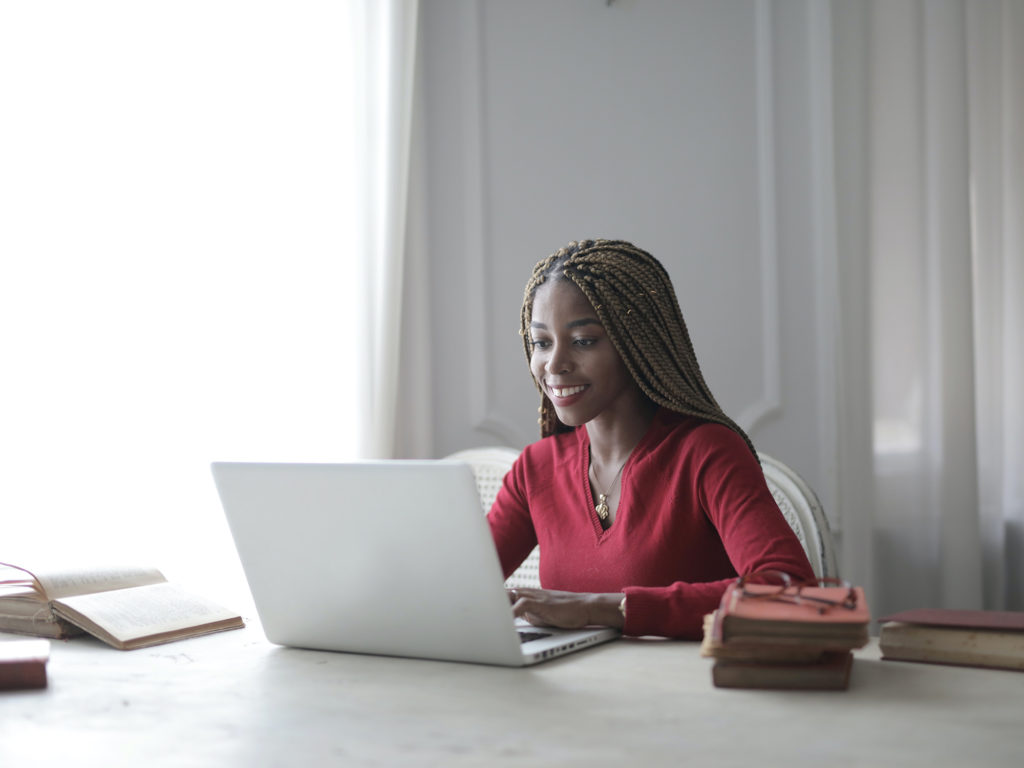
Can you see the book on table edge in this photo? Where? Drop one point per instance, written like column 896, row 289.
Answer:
column 23, row 664
column 766, row 621
column 126, row 608
column 973, row 638
column 830, row 672
column 767, row 652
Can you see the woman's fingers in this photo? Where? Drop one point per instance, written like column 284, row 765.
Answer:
column 517, row 593
column 546, row 608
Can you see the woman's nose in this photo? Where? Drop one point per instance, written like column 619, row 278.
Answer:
column 560, row 360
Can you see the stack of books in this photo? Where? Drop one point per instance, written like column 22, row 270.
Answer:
column 960, row 637
column 785, row 635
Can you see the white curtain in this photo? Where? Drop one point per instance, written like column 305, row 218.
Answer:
column 944, row 199
column 201, row 250
column 996, row 86
column 385, row 52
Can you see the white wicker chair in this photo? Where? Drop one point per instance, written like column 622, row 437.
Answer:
column 799, row 505
column 803, row 512
column 490, row 465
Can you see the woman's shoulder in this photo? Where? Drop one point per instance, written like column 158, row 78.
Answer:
column 553, row 446
column 544, row 463
column 678, row 436
column 550, row 452
column 684, row 427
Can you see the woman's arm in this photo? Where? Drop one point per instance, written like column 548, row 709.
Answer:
column 510, row 522
column 700, row 514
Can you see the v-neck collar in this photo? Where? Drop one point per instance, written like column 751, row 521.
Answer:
column 625, row 490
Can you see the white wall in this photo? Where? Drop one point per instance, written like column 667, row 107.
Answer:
column 699, row 130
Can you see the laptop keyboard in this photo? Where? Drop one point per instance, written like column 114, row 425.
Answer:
column 526, row 636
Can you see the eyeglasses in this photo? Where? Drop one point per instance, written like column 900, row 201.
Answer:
column 780, row 587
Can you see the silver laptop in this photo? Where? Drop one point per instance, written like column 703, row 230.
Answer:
column 386, row 557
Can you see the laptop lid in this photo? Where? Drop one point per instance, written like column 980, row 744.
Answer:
column 381, row 557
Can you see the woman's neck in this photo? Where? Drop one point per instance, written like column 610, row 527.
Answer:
column 613, row 437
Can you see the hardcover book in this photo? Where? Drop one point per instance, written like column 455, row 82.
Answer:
column 829, row 672
column 816, row 616
column 23, row 664
column 125, row 607
column 961, row 637
column 759, row 651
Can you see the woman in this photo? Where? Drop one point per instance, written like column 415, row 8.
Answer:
column 645, row 498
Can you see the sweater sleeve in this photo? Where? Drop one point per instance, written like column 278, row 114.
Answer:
column 729, row 486
column 511, row 526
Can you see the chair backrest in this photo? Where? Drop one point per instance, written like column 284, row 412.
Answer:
column 796, row 500
column 802, row 510
column 490, row 465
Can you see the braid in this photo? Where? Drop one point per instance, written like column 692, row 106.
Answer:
column 637, row 305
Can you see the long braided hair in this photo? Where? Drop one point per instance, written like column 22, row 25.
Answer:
column 633, row 297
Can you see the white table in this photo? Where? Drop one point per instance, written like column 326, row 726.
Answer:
column 233, row 699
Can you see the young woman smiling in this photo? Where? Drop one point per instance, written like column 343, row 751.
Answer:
column 645, row 498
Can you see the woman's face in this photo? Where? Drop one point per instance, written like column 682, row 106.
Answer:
column 572, row 358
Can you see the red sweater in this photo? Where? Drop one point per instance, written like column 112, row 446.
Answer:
column 694, row 511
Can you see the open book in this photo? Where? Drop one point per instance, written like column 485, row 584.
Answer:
column 125, row 607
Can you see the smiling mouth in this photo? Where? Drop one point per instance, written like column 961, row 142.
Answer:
column 567, row 391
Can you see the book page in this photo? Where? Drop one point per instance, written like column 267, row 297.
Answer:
column 19, row 583
column 128, row 614
column 67, row 582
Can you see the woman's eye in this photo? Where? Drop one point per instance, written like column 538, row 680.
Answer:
column 546, row 343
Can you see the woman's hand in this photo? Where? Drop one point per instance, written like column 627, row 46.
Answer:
column 568, row 610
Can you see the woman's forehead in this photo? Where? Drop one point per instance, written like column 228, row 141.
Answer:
column 560, row 299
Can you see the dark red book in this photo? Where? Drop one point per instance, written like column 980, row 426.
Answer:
column 23, row 664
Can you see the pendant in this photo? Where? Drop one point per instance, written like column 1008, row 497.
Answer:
column 602, row 506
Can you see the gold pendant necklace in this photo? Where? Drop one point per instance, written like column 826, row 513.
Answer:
column 602, row 498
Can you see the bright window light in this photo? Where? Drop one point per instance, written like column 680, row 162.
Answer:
column 176, row 270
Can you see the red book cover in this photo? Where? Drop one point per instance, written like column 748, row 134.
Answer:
column 761, row 615
column 1002, row 621
column 818, row 605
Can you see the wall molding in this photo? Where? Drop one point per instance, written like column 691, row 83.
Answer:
column 484, row 416
column 826, row 252
column 769, row 403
